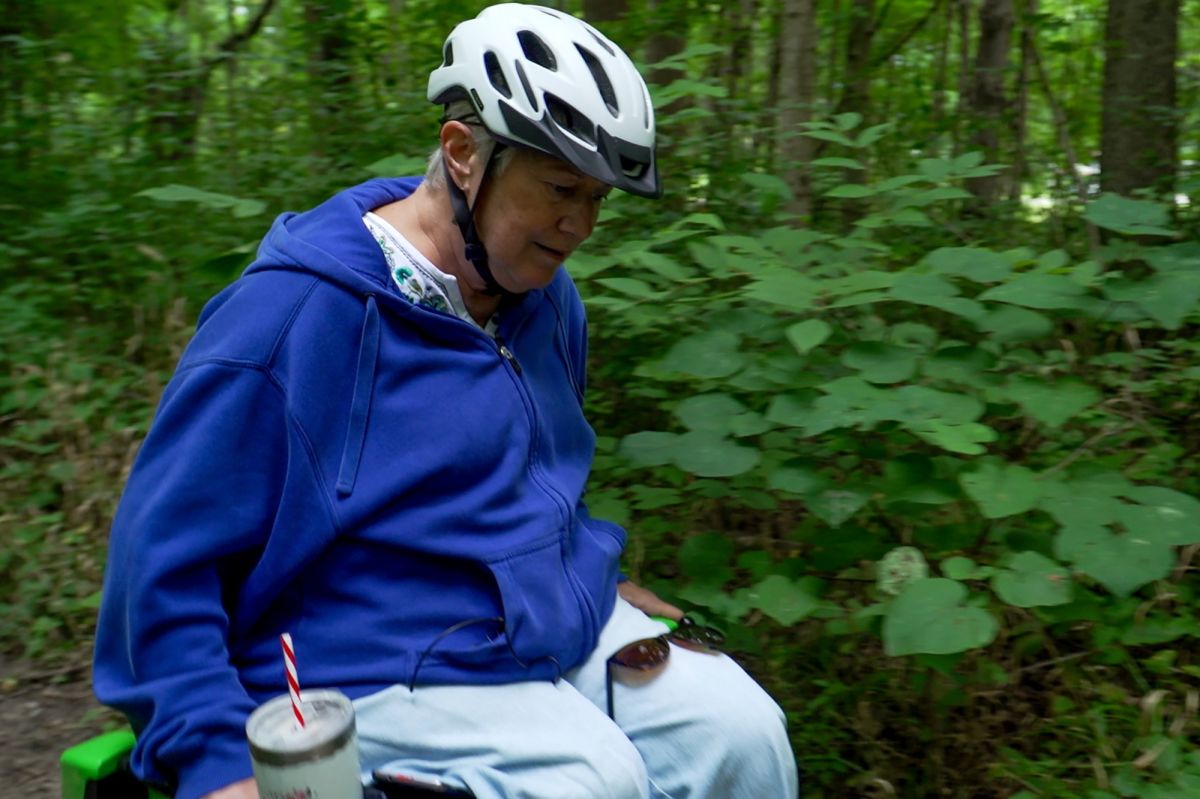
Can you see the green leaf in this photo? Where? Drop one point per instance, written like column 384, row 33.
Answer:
column 795, row 479
column 706, row 558
column 709, row 412
column 848, row 121
column 1033, row 580
column 928, row 618
column 935, row 169
column 398, row 165
column 175, row 193
column 1011, row 323
column 750, row 423
column 1132, row 217
column 969, row 366
column 786, row 601
column 1163, row 515
column 846, row 163
column 649, row 448
column 958, row 568
column 789, row 410
column 898, row 182
column 708, row 455
column 630, row 286
column 851, row 191
column 772, row 185
column 922, row 289
column 662, row 265
column 709, row 354
column 873, row 134
column 877, row 362
column 1052, row 404
column 711, row 596
column 968, row 161
column 808, row 334
column 1001, row 489
column 1167, row 298
column 784, row 287
column 1082, row 509
column 1121, row 563
column 829, row 135
column 1047, row 292
column 835, row 506
column 973, row 263
column 651, row 498
column 967, row 438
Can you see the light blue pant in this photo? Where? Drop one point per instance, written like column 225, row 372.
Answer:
column 700, row 728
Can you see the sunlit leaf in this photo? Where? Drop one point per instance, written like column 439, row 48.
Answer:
column 808, row 334
column 1132, row 217
column 1121, row 563
column 1032, row 580
column 1001, row 489
column 928, row 617
column 1053, row 404
column 784, row 600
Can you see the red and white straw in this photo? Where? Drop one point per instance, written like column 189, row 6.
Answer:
column 289, row 666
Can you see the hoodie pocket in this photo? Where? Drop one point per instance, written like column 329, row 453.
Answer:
column 542, row 609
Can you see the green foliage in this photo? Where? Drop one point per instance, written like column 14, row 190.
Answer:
column 897, row 403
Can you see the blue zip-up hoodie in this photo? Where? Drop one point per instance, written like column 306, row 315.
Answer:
column 333, row 461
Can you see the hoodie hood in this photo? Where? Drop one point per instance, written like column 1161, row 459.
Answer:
column 307, row 242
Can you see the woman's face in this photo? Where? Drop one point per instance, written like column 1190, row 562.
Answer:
column 533, row 215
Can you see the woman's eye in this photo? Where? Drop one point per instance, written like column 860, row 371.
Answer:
column 560, row 190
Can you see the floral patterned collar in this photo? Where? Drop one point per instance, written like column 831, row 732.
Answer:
column 415, row 276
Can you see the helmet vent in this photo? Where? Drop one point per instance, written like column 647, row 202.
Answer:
column 495, row 74
column 448, row 54
column 603, row 44
column 571, row 120
column 537, row 51
column 601, row 77
column 632, row 169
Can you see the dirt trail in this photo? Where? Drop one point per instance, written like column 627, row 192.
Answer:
column 40, row 716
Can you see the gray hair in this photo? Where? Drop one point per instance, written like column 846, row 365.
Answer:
column 463, row 111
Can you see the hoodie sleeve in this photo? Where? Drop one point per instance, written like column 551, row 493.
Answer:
column 196, row 510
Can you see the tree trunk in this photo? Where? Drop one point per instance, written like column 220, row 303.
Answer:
column 739, row 69
column 1020, row 165
column 988, row 103
column 962, row 107
column 857, row 95
column 942, row 69
column 797, row 86
column 1139, row 125
column 670, row 40
column 741, row 49
column 330, row 72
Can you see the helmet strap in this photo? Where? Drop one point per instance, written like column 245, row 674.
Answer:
column 464, row 216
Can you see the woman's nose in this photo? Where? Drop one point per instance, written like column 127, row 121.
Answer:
column 579, row 220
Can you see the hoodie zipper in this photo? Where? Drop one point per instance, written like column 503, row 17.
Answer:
column 507, row 354
column 539, row 477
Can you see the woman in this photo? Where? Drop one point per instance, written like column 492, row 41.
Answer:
column 376, row 442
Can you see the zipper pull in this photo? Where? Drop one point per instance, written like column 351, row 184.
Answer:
column 507, row 354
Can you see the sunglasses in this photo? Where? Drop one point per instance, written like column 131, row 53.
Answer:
column 644, row 657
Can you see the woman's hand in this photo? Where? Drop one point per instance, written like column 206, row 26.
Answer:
column 647, row 601
column 246, row 789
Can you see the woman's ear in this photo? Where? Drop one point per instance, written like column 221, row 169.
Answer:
column 458, row 147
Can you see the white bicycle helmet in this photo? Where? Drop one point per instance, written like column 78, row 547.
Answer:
column 545, row 79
